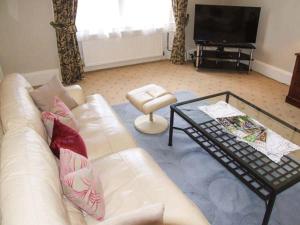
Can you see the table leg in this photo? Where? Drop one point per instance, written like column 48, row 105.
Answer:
column 171, row 127
column 269, row 209
column 227, row 98
column 198, row 56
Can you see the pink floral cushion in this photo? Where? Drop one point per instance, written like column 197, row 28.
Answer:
column 48, row 120
column 80, row 185
column 71, row 161
column 61, row 112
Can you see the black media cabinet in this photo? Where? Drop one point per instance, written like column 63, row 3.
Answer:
column 224, row 56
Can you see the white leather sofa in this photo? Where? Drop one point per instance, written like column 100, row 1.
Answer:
column 31, row 193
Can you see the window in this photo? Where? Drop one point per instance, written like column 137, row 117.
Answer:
column 111, row 17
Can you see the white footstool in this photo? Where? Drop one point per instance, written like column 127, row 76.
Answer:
column 148, row 99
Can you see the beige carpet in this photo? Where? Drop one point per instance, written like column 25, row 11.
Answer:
column 113, row 84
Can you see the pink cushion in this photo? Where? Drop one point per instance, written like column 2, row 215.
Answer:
column 80, row 185
column 48, row 120
column 66, row 137
column 61, row 112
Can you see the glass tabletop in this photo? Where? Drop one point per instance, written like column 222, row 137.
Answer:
column 269, row 121
column 277, row 175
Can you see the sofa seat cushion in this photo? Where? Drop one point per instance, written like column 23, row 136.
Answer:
column 131, row 179
column 148, row 215
column 17, row 108
column 75, row 215
column 100, row 128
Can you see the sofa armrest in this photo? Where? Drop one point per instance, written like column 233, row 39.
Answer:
column 76, row 92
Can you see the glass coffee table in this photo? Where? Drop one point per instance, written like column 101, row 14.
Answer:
column 262, row 175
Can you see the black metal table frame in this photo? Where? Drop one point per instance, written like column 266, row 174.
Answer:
column 271, row 197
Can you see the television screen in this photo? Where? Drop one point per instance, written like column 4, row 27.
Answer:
column 229, row 24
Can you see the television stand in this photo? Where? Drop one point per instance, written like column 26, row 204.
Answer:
column 224, row 56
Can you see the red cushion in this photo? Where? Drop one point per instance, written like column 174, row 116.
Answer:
column 68, row 138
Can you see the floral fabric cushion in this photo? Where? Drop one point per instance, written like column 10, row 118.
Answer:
column 80, row 185
column 61, row 112
column 48, row 120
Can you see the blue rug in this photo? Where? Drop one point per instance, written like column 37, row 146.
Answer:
column 222, row 198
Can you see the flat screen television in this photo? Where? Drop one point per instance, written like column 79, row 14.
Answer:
column 226, row 24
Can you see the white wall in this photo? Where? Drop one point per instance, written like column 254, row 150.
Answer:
column 27, row 41
column 278, row 36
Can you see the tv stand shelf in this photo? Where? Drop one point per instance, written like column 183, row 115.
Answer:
column 224, row 56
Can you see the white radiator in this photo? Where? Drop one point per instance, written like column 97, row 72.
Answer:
column 99, row 52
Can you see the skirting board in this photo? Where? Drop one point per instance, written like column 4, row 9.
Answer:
column 41, row 77
column 272, row 72
column 124, row 63
column 38, row 78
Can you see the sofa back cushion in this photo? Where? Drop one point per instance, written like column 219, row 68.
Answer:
column 17, row 108
column 31, row 193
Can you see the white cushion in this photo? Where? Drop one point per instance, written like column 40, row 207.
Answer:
column 76, row 92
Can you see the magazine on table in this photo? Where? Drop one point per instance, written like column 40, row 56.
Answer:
column 244, row 128
column 249, row 130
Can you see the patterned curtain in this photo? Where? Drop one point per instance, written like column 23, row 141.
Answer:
column 178, row 50
column 64, row 24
